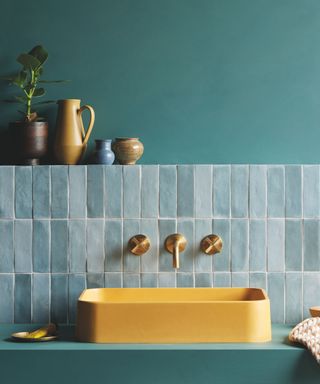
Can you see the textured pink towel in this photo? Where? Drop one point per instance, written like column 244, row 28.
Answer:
column 307, row 333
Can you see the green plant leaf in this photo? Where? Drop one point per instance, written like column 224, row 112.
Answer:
column 23, row 76
column 20, row 79
column 39, row 53
column 28, row 61
column 39, row 92
column 53, row 81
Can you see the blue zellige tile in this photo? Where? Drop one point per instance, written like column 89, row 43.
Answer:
column 166, row 228
column 7, row 300
column 276, row 246
column 221, row 261
column 222, row 279
column 113, row 246
column 95, row 280
column 185, row 177
column 185, row 280
column 59, row 191
column 276, row 295
column 131, row 191
column 59, row 246
column 149, row 261
column 293, row 245
column 257, row 245
column 77, row 283
column 77, row 191
column 113, row 280
column 293, row 297
column 95, row 191
column 293, row 191
column 239, row 245
column 22, row 298
column 202, row 280
column 95, row 246
column 131, row 280
column 203, row 190
column 23, row 192
column 240, row 279
column 41, row 191
column 275, row 191
column 131, row 263
column 311, row 193
column 221, row 190
column 40, row 298
column 113, row 191
column 6, row 248
column 311, row 289
column 41, row 245
column 149, row 280
column 311, row 245
column 186, row 227
column 167, row 280
column 6, row 191
column 239, row 190
column 202, row 261
column 258, row 280
column 149, row 191
column 258, row 191
column 168, row 190
column 59, row 298
column 77, row 245
column 23, row 246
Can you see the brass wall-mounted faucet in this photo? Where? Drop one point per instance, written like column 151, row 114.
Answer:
column 139, row 244
column 211, row 244
column 175, row 244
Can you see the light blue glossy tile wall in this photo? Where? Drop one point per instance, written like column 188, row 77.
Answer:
column 41, row 245
column 23, row 192
column 41, row 298
column 41, row 192
column 59, row 192
column 68, row 229
column 6, row 192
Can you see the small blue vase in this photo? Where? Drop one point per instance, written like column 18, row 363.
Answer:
column 102, row 153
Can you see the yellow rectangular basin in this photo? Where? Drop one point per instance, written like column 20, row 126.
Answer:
column 173, row 315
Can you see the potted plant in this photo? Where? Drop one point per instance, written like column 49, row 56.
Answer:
column 31, row 132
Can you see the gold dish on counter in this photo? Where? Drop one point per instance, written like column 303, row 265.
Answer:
column 47, row 333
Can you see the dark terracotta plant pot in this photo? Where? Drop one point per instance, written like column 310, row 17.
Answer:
column 30, row 141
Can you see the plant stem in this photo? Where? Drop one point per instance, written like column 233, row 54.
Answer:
column 33, row 84
column 28, row 107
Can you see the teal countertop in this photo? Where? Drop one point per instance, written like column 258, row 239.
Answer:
column 68, row 361
column 67, row 342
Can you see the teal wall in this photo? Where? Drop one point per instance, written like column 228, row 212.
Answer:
column 199, row 81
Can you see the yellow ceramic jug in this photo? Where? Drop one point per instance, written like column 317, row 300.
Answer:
column 71, row 139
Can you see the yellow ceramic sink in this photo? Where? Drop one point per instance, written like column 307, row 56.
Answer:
column 173, row 315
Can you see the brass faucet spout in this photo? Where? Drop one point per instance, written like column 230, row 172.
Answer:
column 175, row 244
column 176, row 258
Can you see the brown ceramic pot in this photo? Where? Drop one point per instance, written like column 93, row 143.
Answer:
column 128, row 150
column 30, row 141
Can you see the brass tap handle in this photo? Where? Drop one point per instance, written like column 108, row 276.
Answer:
column 211, row 244
column 139, row 244
column 175, row 244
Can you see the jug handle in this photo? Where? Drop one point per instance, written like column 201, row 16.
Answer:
column 92, row 117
